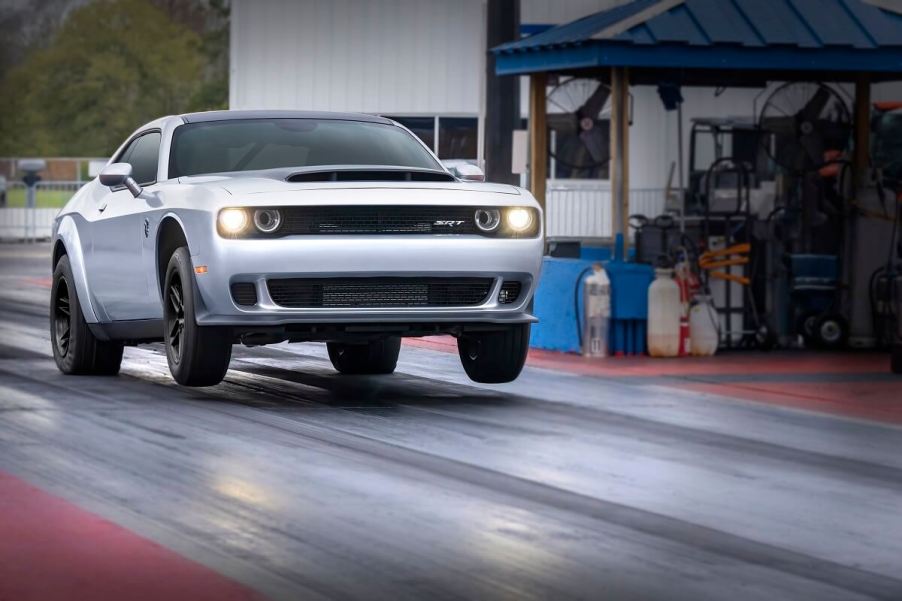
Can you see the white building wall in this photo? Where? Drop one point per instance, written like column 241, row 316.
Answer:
column 403, row 57
column 545, row 12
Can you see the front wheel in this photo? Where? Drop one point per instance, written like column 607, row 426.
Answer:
column 197, row 355
column 376, row 357
column 494, row 357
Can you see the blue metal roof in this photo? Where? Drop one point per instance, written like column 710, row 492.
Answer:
column 808, row 35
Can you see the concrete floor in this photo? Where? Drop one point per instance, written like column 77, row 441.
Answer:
column 578, row 480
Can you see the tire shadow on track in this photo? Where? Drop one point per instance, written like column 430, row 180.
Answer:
column 350, row 392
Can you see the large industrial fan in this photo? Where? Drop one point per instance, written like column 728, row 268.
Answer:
column 804, row 126
column 579, row 112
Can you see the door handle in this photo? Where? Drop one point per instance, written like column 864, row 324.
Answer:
column 102, row 207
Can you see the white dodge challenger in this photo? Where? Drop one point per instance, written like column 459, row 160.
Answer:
column 211, row 229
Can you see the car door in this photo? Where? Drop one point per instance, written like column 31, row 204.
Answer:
column 116, row 272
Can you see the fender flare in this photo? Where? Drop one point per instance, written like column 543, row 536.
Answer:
column 67, row 233
column 200, row 308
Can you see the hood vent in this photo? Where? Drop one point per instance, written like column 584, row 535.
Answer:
column 370, row 175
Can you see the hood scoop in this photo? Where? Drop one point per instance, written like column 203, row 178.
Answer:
column 369, row 175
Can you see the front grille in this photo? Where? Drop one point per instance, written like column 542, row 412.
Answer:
column 244, row 293
column 368, row 219
column 510, row 292
column 379, row 292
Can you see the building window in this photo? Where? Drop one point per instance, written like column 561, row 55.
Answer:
column 422, row 127
column 457, row 138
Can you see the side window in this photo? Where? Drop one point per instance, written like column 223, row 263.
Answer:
column 143, row 154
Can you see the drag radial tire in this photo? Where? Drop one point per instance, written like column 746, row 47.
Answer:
column 896, row 359
column 75, row 349
column 494, row 357
column 376, row 357
column 197, row 355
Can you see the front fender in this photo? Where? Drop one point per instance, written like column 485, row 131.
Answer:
column 67, row 232
column 198, row 229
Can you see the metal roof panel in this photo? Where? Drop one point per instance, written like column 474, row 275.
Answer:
column 677, row 26
column 778, row 25
column 883, row 27
column 752, row 23
column 724, row 23
column 811, row 35
column 832, row 23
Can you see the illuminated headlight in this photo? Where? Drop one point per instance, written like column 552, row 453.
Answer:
column 232, row 221
column 267, row 220
column 518, row 219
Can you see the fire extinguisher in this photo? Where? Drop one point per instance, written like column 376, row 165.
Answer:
column 597, row 312
column 689, row 285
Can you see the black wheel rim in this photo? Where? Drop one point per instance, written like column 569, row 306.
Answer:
column 62, row 318
column 175, row 323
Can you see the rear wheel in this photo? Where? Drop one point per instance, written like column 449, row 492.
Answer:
column 494, row 357
column 376, row 357
column 75, row 348
column 197, row 355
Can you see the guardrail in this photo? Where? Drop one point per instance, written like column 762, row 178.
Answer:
column 21, row 223
column 582, row 210
column 26, row 225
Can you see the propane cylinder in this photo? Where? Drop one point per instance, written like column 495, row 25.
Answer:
column 663, row 315
column 703, row 330
column 597, row 312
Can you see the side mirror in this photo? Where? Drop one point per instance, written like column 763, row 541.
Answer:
column 465, row 171
column 120, row 174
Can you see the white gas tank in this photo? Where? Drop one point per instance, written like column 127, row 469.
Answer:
column 664, row 315
column 703, row 327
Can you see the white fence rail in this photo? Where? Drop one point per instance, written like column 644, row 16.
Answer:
column 583, row 209
column 18, row 223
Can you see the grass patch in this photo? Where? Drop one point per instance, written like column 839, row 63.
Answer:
column 44, row 199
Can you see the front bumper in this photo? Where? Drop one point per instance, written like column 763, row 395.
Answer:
column 255, row 260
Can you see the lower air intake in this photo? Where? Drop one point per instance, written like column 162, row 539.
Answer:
column 509, row 293
column 379, row 292
column 244, row 294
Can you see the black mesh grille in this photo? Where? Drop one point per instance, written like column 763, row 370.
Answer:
column 510, row 292
column 377, row 220
column 379, row 292
column 244, row 293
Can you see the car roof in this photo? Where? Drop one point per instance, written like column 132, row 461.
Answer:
column 230, row 115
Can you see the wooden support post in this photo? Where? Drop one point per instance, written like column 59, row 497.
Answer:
column 538, row 137
column 620, row 154
column 862, row 119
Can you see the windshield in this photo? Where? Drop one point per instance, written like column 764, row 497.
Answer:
column 251, row 144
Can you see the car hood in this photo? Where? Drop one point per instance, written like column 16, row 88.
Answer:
column 242, row 185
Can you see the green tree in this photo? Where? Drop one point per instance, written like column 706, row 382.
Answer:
column 113, row 65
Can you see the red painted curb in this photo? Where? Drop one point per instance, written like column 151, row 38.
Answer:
column 878, row 400
column 51, row 550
